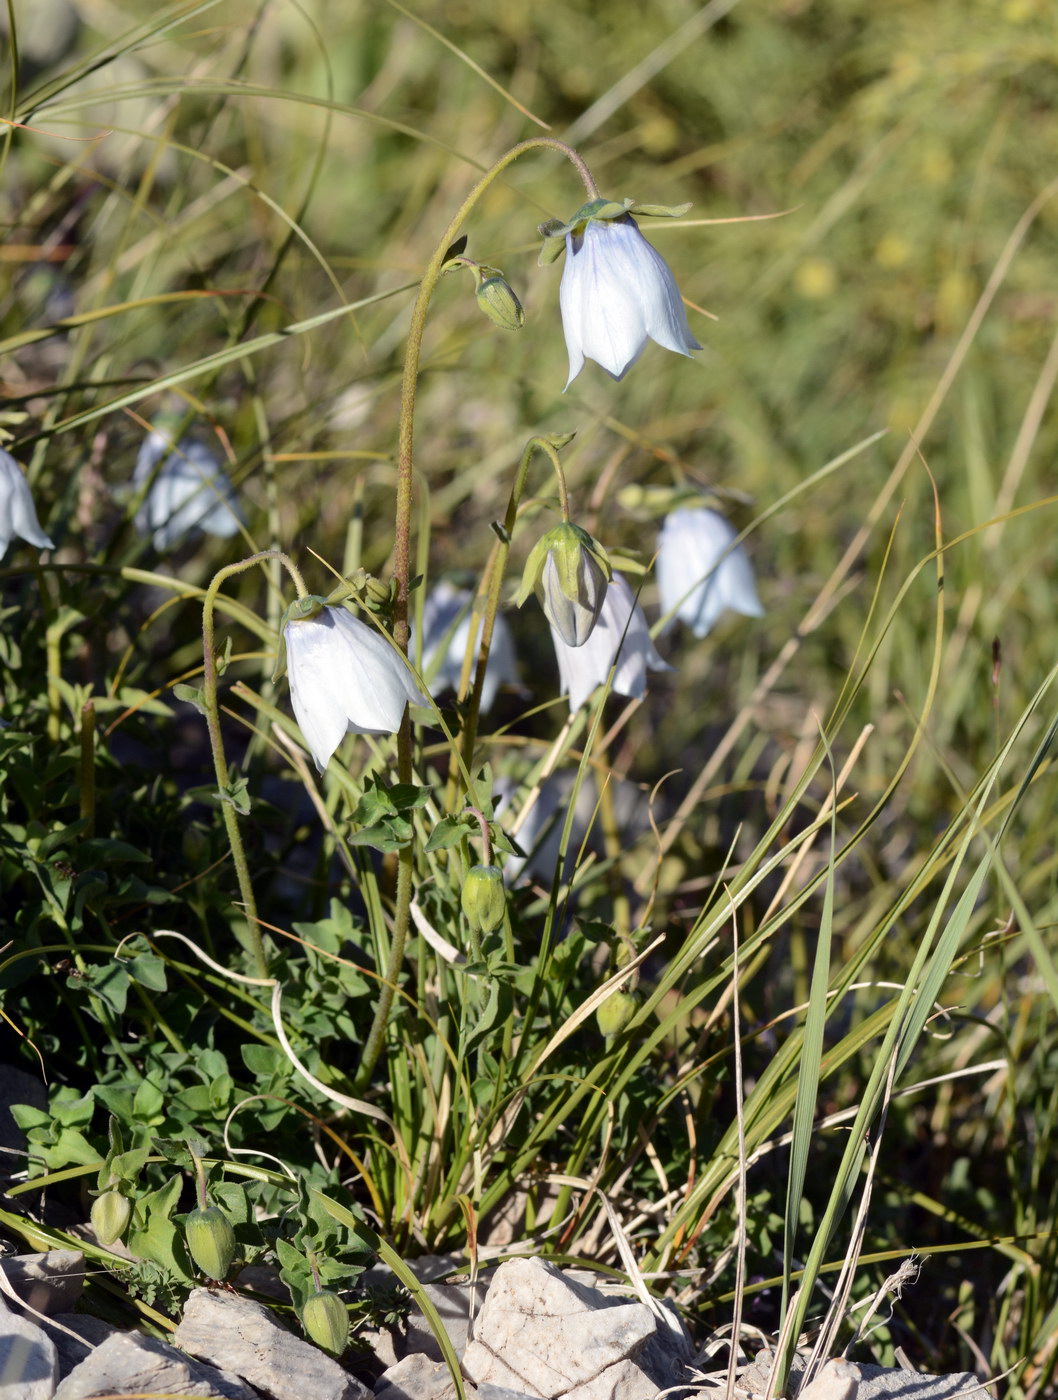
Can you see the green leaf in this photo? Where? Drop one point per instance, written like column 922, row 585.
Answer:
column 109, row 982
column 237, row 793
column 448, row 832
column 191, row 695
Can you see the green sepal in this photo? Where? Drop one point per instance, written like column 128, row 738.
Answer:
column 660, row 211
column 565, row 543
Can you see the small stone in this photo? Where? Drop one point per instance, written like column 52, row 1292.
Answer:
column 416, row 1377
column 245, row 1338
column 838, row 1379
column 128, row 1363
column 552, row 1336
column 29, row 1366
column 50, row 1282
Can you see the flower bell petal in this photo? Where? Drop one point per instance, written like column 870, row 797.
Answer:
column 618, row 292
column 18, row 515
column 701, row 572
column 190, row 492
column 344, row 679
column 446, row 618
column 621, row 634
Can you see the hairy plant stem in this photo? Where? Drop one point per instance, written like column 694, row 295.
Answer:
column 402, row 555
column 491, row 585
column 216, row 740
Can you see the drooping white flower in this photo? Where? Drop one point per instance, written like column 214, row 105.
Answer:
column 620, row 634
column 618, row 292
column 701, row 571
column 345, row 678
column 189, row 492
column 18, row 515
column 568, row 571
column 446, row 618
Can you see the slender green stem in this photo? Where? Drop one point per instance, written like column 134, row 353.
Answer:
column 413, row 354
column 486, row 839
column 402, row 550
column 491, row 586
column 216, row 741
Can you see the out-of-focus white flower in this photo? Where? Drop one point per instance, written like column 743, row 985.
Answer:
column 701, row 571
column 620, row 634
column 18, row 515
column 190, row 492
column 617, row 293
column 446, row 617
column 345, row 678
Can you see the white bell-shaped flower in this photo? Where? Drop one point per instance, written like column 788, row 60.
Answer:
column 618, row 292
column 446, row 618
column 18, row 515
column 620, row 635
column 701, row 572
column 189, row 492
column 345, row 678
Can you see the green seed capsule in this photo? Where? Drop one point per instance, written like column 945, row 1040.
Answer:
column 326, row 1322
column 615, row 1013
column 110, row 1216
column 211, row 1241
column 483, row 897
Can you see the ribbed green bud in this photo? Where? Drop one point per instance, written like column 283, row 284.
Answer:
column 484, row 899
column 615, row 1013
column 326, row 1322
column 110, row 1216
column 211, row 1241
column 497, row 299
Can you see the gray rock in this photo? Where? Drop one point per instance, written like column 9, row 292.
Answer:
column 128, row 1363
column 416, row 1377
column 839, row 1379
column 50, row 1283
column 245, row 1338
column 92, row 1331
column 29, row 1366
column 550, row 1336
column 452, row 1301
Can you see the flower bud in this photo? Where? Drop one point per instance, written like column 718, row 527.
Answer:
column 326, row 1322
column 615, row 1013
column 569, row 572
column 484, row 899
column 497, row 299
column 110, row 1216
column 210, row 1241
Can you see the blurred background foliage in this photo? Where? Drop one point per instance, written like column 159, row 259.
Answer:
column 856, row 173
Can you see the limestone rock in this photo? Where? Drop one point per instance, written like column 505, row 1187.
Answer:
column 50, row 1282
column 128, row 1363
column 91, row 1332
column 29, row 1366
column 839, row 1379
column 245, row 1338
column 416, row 1377
column 548, row 1335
